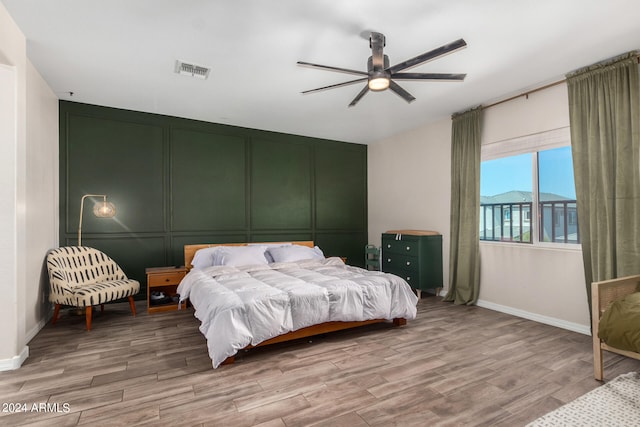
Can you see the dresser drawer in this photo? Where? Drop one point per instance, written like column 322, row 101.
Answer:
column 405, row 262
column 407, row 245
column 412, row 276
column 168, row 278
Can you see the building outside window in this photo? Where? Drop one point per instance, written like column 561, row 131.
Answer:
column 525, row 178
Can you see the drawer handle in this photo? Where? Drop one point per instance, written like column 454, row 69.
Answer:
column 388, row 259
column 167, row 280
column 408, row 248
column 408, row 262
column 388, row 246
column 408, row 278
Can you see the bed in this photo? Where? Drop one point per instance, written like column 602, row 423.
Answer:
column 616, row 294
column 243, row 301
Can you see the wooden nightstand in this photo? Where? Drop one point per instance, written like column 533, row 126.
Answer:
column 165, row 280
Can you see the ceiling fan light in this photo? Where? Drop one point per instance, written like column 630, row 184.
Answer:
column 378, row 83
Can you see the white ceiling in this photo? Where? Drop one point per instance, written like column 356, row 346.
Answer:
column 122, row 53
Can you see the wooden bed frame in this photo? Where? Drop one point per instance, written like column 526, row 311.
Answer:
column 602, row 294
column 322, row 328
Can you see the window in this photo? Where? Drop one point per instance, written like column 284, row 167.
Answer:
column 525, row 178
column 573, row 218
column 505, row 193
column 557, row 196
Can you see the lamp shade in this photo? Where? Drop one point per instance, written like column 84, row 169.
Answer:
column 104, row 209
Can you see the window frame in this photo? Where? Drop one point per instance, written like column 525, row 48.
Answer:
column 533, row 143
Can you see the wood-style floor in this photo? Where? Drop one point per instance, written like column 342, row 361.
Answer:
column 453, row 365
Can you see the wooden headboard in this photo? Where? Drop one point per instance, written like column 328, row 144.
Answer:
column 190, row 250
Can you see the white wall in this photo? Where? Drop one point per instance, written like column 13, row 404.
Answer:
column 543, row 284
column 8, row 155
column 409, row 184
column 42, row 212
column 29, row 174
column 409, row 187
column 13, row 113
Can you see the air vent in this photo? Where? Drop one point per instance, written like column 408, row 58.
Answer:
column 192, row 70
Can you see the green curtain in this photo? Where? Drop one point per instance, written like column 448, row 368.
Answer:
column 464, row 254
column 604, row 109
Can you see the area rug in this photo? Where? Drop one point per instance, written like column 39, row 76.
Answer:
column 616, row 403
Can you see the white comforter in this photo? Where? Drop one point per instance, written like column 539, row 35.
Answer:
column 246, row 305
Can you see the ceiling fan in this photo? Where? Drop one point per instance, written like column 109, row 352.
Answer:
column 380, row 76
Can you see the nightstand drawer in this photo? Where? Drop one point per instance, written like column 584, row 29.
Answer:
column 168, row 278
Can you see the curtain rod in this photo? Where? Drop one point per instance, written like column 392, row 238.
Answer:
column 527, row 93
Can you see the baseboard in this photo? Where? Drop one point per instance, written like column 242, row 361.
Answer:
column 16, row 361
column 559, row 323
column 34, row 331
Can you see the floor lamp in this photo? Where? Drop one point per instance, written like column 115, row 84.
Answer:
column 101, row 210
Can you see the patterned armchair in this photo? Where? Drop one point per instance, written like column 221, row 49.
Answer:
column 80, row 276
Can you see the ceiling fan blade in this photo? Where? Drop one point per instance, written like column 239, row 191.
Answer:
column 395, row 87
column 428, row 76
column 320, row 89
column 359, row 96
column 330, row 68
column 376, row 43
column 428, row 56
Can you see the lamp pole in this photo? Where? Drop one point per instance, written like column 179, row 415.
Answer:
column 107, row 210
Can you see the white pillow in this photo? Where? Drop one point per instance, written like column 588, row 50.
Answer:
column 240, row 255
column 269, row 245
column 203, row 258
column 294, row 253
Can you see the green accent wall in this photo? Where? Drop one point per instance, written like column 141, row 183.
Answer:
column 176, row 181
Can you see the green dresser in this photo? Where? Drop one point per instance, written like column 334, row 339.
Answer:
column 414, row 255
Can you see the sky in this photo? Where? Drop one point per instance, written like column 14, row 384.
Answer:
column 515, row 173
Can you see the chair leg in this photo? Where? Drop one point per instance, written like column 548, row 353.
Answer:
column 56, row 313
column 132, row 305
column 88, row 310
column 598, row 363
column 101, row 308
